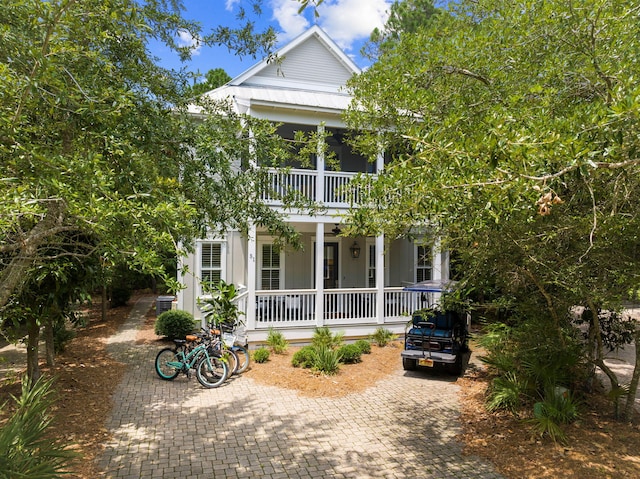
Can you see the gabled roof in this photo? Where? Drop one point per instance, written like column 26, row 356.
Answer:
column 311, row 58
column 309, row 73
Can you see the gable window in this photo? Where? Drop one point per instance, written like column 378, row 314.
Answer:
column 270, row 267
column 423, row 263
column 211, row 262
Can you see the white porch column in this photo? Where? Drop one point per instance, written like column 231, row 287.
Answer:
column 320, row 169
column 251, row 279
column 319, row 274
column 380, row 271
column 437, row 261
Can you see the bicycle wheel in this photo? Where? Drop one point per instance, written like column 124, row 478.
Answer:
column 211, row 372
column 167, row 362
column 242, row 354
column 232, row 360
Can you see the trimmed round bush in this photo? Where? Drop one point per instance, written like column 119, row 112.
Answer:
column 175, row 324
column 349, row 354
column 363, row 345
column 261, row 355
column 303, row 357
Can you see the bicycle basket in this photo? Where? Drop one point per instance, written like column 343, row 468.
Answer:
column 228, row 339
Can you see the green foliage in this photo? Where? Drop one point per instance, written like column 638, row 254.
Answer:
column 304, row 357
column 363, row 345
column 26, row 446
column 261, row 355
column 221, row 307
column 507, row 392
column 61, row 336
column 558, row 407
column 276, row 341
column 214, row 78
column 382, row 337
column 484, row 127
column 174, row 324
column 324, row 337
column 349, row 354
column 326, row 360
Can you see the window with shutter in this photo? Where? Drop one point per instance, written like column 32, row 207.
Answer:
column 270, row 267
column 211, row 263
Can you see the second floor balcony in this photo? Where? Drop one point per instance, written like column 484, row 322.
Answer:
column 328, row 188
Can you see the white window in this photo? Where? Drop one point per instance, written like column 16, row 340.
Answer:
column 271, row 276
column 211, row 262
column 423, row 263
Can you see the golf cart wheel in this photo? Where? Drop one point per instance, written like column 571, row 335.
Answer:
column 409, row 364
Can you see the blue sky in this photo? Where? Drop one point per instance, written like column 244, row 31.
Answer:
column 347, row 22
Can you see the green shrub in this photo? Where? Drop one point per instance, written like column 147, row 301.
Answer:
column 326, row 360
column 506, row 393
column 174, row 324
column 382, row 337
column 363, row 345
column 261, row 355
column 61, row 336
column 350, row 354
column 26, row 447
column 276, row 341
column 557, row 407
column 304, row 357
column 324, row 337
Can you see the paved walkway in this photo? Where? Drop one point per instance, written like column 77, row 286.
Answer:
column 405, row 427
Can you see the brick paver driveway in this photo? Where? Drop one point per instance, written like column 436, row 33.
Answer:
column 405, row 427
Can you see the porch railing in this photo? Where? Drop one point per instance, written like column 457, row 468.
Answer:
column 290, row 308
column 303, row 184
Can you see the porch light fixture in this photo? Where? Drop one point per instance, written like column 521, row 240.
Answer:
column 355, row 250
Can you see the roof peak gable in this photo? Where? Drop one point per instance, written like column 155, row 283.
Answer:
column 310, row 57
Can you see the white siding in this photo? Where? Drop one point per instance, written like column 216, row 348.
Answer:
column 309, row 62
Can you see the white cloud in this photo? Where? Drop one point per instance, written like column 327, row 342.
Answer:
column 345, row 21
column 349, row 21
column 185, row 39
column 292, row 24
column 230, row 3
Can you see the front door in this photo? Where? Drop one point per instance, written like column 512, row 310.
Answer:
column 330, row 265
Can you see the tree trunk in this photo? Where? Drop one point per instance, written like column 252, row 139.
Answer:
column 635, row 379
column 103, row 308
column 49, row 342
column 599, row 359
column 13, row 276
column 33, row 337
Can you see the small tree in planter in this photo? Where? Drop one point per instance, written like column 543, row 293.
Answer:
column 220, row 308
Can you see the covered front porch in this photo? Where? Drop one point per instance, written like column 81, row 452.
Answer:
column 355, row 285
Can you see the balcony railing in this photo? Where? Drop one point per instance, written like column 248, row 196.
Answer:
column 303, row 184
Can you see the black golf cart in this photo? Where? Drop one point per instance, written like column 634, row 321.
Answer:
column 433, row 338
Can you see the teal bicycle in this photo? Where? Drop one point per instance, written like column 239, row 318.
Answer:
column 195, row 352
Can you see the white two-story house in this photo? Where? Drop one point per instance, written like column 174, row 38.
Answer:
column 352, row 285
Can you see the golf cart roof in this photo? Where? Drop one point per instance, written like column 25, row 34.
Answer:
column 431, row 286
